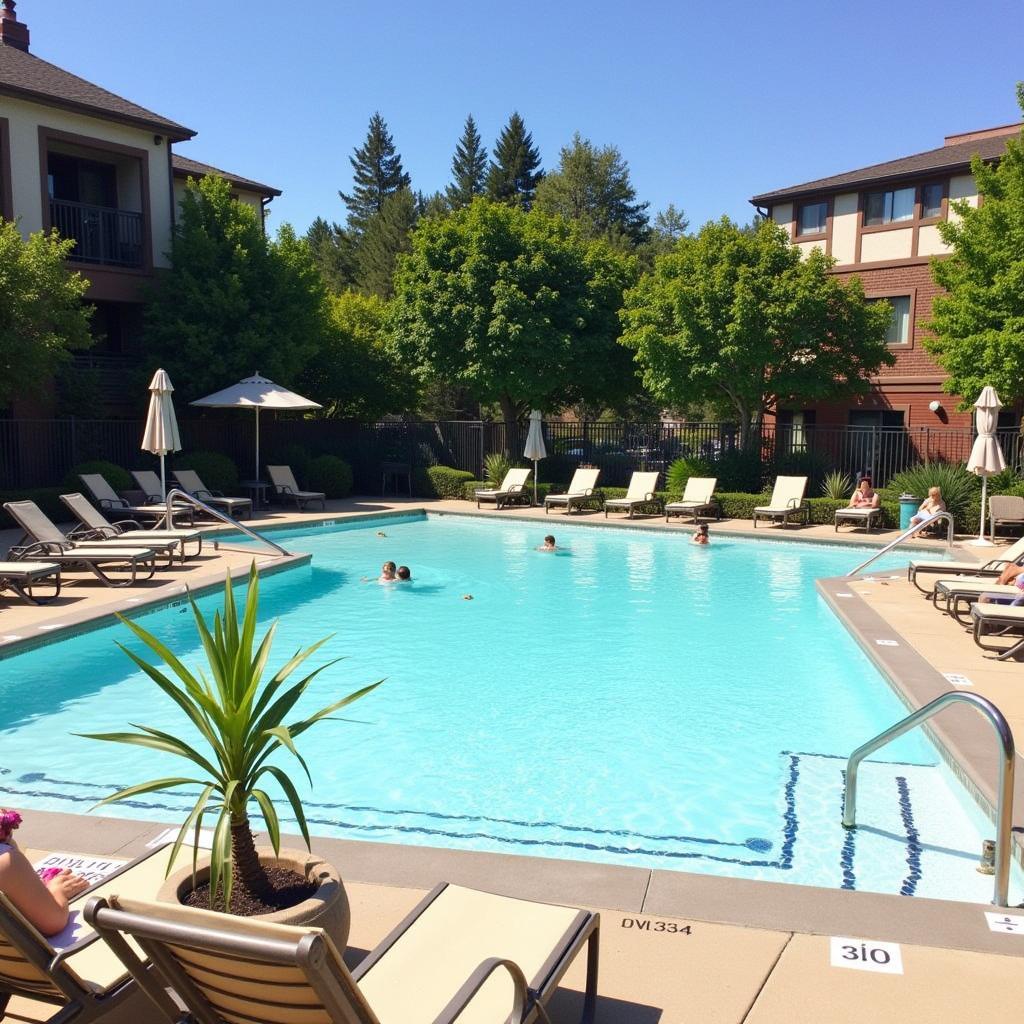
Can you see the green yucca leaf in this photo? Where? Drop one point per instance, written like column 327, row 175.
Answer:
column 291, row 795
column 270, row 817
column 193, row 818
column 145, row 787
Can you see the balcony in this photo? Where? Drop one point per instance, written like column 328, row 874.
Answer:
column 103, row 235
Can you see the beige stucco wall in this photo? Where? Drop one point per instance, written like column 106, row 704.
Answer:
column 894, row 244
column 962, row 187
column 806, row 247
column 25, row 120
column 253, row 199
column 928, row 241
column 844, row 227
column 783, row 215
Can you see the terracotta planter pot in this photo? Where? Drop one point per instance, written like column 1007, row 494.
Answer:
column 327, row 908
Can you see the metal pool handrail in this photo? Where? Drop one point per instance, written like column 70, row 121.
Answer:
column 1004, row 801
column 190, row 499
column 906, row 535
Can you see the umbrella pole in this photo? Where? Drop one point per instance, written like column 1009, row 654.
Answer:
column 981, row 525
column 163, row 481
column 256, row 475
column 535, row 481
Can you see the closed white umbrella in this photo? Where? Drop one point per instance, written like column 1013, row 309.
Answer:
column 256, row 393
column 535, row 449
column 161, row 434
column 986, row 455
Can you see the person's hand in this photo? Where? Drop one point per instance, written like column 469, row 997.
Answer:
column 66, row 886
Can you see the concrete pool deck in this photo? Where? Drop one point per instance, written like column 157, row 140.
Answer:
column 754, row 951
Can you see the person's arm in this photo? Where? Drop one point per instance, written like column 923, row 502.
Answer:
column 875, row 500
column 43, row 905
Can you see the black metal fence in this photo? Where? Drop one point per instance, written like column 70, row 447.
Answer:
column 41, row 453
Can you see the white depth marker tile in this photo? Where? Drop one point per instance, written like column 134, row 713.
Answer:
column 887, row 643
column 1011, row 924
column 957, row 679
column 866, row 955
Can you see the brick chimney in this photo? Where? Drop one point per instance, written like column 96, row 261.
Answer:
column 12, row 32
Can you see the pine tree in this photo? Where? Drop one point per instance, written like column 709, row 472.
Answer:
column 386, row 235
column 515, row 171
column 376, row 172
column 334, row 252
column 469, row 167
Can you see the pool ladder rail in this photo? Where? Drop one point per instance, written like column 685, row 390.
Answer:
column 907, row 535
column 1007, row 765
column 183, row 497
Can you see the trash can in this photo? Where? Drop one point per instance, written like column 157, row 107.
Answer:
column 908, row 506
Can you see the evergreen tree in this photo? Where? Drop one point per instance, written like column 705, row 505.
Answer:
column 670, row 224
column 386, row 235
column 469, row 167
column 376, row 173
column 434, row 205
column 514, row 173
column 334, row 252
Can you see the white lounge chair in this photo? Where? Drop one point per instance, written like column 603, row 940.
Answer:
column 639, row 495
column 189, row 482
column 955, row 596
column 581, row 492
column 511, row 491
column 48, row 543
column 96, row 526
column 698, row 498
column 285, row 486
column 1005, row 620
column 866, row 517
column 154, row 510
column 993, row 567
column 787, row 501
column 21, row 577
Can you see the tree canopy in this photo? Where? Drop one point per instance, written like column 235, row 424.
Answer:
column 42, row 316
column 519, row 308
column 376, row 174
column 386, row 235
column 592, row 186
column 514, row 171
column 334, row 251
column 233, row 301
column 740, row 316
column 978, row 325
column 469, row 167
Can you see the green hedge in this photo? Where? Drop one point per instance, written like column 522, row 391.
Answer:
column 47, row 498
column 471, row 486
column 118, row 478
column 331, row 475
column 440, row 482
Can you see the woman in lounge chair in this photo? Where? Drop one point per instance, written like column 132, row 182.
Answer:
column 44, row 904
column 865, row 496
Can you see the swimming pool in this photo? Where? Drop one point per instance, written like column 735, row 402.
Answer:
column 633, row 699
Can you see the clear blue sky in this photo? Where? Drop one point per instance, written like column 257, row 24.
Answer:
column 709, row 102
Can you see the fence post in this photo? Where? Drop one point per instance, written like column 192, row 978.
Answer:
column 74, row 443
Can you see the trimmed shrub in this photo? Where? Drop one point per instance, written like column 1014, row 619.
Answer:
column 216, row 471
column 543, row 489
column 47, row 498
column 740, row 504
column 960, row 489
column 118, row 478
column 331, row 475
column 439, row 482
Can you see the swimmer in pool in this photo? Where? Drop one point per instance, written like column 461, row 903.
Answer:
column 702, row 536
column 549, row 544
column 403, row 574
column 387, row 573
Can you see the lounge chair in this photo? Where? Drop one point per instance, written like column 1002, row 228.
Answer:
column 46, row 542
column 639, row 495
column 22, row 576
column 107, row 498
column 787, row 501
column 955, row 596
column 698, row 499
column 993, row 567
column 189, row 482
column 498, row 958
column 95, row 526
column 580, row 494
column 865, row 517
column 999, row 620
column 285, row 486
column 512, row 490
column 1004, row 508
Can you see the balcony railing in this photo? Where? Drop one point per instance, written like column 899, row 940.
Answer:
column 106, row 236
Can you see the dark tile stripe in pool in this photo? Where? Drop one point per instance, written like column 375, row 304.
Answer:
column 909, row 886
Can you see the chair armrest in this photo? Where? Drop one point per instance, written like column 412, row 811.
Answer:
column 589, row 492
column 121, row 524
column 113, row 503
column 462, row 998
column 515, row 489
column 650, row 496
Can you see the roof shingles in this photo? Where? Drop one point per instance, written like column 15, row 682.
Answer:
column 183, row 167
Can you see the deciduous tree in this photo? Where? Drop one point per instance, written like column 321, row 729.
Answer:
column 376, row 174
column 42, row 316
column 742, row 317
column 469, row 167
column 514, row 171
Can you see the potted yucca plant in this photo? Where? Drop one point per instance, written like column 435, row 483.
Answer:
column 240, row 717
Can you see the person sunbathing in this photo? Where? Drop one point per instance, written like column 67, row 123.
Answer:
column 865, row 496
column 932, row 504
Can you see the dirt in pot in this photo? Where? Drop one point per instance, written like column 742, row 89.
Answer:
column 287, row 888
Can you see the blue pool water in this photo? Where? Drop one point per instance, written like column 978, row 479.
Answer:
column 632, row 699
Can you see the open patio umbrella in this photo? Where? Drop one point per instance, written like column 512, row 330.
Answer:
column 161, row 434
column 535, row 449
column 256, row 393
column 986, row 455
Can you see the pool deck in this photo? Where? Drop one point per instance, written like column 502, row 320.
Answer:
column 755, row 951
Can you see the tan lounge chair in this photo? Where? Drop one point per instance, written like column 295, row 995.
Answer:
column 580, row 493
column 189, row 482
column 1004, row 508
column 697, row 500
column 107, row 498
column 21, row 577
column 866, row 517
column 639, row 495
column 787, row 501
column 955, row 596
column 285, row 486
column 511, row 491
column 47, row 542
column 1006, row 620
column 993, row 567
column 497, row 958
column 96, row 526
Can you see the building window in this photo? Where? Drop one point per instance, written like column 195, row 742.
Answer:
column 899, row 326
column 888, row 207
column 812, row 219
column 892, row 418
column 931, row 200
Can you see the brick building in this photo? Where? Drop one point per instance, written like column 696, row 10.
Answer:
column 880, row 223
